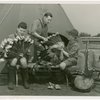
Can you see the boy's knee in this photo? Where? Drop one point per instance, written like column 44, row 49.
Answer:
column 81, row 62
column 23, row 62
column 62, row 66
column 81, row 55
column 13, row 62
column 81, row 58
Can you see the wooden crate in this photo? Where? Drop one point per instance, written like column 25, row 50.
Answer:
column 3, row 79
column 54, row 75
column 3, row 73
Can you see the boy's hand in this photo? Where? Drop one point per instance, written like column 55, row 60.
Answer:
column 61, row 49
column 45, row 39
column 65, row 53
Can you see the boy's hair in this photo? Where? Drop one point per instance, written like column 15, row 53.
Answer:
column 74, row 33
column 48, row 14
column 22, row 25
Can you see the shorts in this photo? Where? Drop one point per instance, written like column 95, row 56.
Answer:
column 70, row 62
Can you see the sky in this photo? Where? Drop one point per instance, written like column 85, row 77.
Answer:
column 84, row 17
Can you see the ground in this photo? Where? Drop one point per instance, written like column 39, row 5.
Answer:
column 42, row 90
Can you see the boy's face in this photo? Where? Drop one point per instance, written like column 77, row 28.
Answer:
column 21, row 31
column 70, row 37
column 47, row 20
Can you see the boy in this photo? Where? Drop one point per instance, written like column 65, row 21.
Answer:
column 68, row 55
column 21, row 31
column 39, row 31
column 71, row 51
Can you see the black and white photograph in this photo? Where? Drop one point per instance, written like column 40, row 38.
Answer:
column 50, row 49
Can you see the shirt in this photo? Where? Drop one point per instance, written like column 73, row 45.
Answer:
column 39, row 27
column 72, row 49
column 30, row 53
column 12, row 36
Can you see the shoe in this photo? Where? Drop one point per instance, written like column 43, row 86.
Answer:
column 57, row 87
column 25, row 77
column 11, row 77
column 26, row 85
column 51, row 86
column 11, row 86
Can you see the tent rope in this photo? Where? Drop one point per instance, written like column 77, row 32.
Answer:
column 6, row 14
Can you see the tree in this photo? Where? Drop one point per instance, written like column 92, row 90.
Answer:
column 98, row 35
column 82, row 34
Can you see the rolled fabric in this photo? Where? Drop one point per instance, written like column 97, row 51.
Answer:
column 83, row 83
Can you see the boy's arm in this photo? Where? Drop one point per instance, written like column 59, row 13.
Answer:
column 11, row 36
column 35, row 30
column 65, row 53
column 74, row 49
column 30, row 53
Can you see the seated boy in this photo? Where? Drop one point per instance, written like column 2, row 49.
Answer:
column 70, row 55
column 71, row 51
column 21, row 31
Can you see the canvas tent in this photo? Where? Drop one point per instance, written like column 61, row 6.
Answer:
column 12, row 14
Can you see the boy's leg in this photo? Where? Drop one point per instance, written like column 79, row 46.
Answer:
column 81, row 62
column 67, row 63
column 11, row 77
column 25, row 77
column 91, row 60
column 24, row 72
column 12, row 73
